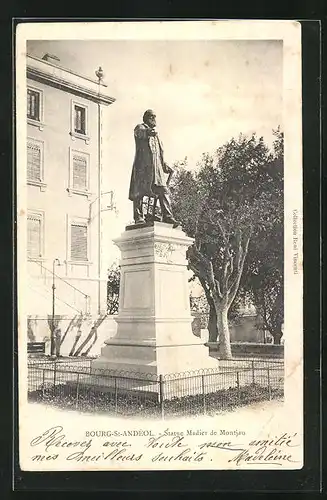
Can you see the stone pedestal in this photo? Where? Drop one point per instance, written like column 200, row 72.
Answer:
column 154, row 333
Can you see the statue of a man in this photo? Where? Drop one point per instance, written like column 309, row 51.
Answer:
column 149, row 171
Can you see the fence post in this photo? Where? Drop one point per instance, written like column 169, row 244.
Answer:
column 204, row 396
column 54, row 377
column 161, row 397
column 77, row 391
column 43, row 376
column 116, row 396
column 238, row 385
column 269, row 387
column 253, row 376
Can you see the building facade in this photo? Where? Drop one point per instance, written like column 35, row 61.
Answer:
column 65, row 193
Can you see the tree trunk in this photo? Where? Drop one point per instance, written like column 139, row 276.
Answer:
column 223, row 331
column 212, row 324
column 57, row 346
column 277, row 337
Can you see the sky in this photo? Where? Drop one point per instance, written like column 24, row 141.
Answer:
column 203, row 93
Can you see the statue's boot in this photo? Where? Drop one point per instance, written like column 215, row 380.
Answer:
column 167, row 215
column 138, row 211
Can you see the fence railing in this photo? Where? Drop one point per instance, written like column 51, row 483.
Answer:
column 64, row 363
column 78, row 386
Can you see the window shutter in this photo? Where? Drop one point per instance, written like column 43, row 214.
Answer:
column 79, row 242
column 34, row 236
column 33, row 104
column 79, row 172
column 79, row 120
column 29, row 103
column 33, row 162
column 82, row 119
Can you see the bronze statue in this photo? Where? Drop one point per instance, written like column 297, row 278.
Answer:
column 149, row 174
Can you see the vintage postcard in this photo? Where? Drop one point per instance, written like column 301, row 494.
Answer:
column 159, row 216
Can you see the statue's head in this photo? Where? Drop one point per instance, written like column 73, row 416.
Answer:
column 149, row 118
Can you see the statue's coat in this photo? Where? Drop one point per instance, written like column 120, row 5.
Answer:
column 143, row 174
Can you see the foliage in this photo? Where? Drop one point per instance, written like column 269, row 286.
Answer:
column 113, row 285
column 186, row 196
column 199, row 304
column 263, row 279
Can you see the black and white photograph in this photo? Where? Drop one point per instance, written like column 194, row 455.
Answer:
column 159, row 219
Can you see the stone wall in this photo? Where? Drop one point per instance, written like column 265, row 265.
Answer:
column 244, row 329
column 251, row 349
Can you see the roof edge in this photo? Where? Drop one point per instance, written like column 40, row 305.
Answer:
column 58, row 66
column 63, row 84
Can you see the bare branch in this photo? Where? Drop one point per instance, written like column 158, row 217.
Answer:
column 239, row 251
column 198, row 263
column 231, row 270
column 205, row 287
column 223, row 233
column 203, row 269
column 220, row 295
column 228, row 268
column 211, row 275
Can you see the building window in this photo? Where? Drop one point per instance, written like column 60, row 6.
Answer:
column 79, row 126
column 79, row 119
column 79, row 172
column 35, row 107
column 78, row 242
column 35, row 163
column 35, row 228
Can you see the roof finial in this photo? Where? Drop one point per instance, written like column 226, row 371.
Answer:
column 99, row 74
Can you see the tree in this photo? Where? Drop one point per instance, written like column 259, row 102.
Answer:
column 231, row 199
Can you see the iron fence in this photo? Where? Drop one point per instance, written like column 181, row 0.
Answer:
column 71, row 362
column 234, row 383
